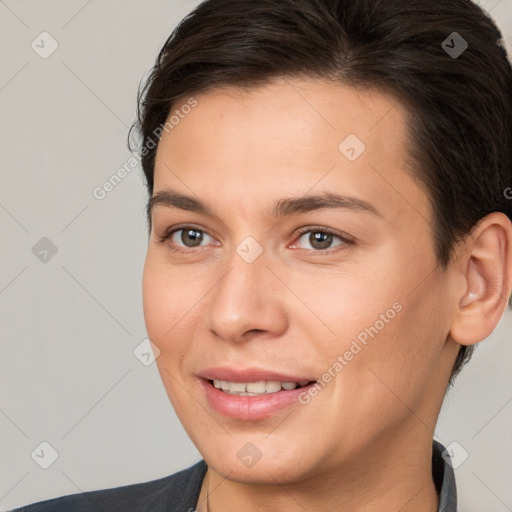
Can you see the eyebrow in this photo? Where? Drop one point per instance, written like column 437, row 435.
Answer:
column 285, row 206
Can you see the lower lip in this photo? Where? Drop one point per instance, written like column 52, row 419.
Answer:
column 250, row 407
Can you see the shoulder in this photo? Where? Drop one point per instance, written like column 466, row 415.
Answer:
column 179, row 490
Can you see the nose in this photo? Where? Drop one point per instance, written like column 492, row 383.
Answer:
column 247, row 302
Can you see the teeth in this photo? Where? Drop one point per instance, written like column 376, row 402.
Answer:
column 273, row 386
column 255, row 388
column 237, row 387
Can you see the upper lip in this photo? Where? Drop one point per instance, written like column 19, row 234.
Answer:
column 252, row 374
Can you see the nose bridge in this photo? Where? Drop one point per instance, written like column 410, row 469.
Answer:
column 242, row 299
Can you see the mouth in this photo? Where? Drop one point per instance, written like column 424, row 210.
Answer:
column 258, row 388
column 255, row 399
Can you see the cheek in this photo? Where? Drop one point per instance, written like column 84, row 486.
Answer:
column 164, row 303
column 155, row 303
column 387, row 340
column 397, row 367
column 352, row 305
column 165, row 318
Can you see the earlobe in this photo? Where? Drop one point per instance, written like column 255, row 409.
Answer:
column 488, row 279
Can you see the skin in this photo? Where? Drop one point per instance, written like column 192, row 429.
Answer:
column 365, row 441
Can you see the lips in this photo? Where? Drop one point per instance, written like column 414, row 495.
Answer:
column 251, row 375
column 250, row 406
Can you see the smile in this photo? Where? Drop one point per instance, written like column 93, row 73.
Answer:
column 235, row 400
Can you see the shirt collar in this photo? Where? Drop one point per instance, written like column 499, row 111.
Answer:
column 444, row 478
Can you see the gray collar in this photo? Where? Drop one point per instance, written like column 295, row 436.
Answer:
column 444, row 478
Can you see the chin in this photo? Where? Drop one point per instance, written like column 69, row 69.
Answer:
column 274, row 467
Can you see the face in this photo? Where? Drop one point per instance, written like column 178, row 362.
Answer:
column 302, row 253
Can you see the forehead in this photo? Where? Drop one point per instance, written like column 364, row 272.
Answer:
column 292, row 135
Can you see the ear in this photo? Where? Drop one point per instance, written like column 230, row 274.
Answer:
column 486, row 265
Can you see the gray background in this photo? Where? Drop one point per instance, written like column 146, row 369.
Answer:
column 69, row 325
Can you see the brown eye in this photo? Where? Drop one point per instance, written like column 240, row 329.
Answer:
column 320, row 239
column 193, row 236
column 187, row 237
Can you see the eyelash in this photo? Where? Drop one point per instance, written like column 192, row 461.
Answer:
column 313, row 229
